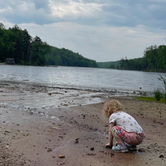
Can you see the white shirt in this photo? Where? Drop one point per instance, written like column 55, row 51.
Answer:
column 125, row 121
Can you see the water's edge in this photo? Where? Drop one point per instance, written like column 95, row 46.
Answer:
column 90, row 89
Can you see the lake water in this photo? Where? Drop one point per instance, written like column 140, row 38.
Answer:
column 83, row 78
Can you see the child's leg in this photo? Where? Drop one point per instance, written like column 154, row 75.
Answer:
column 122, row 136
column 117, row 132
column 120, row 146
column 117, row 136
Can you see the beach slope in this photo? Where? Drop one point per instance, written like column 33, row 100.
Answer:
column 41, row 126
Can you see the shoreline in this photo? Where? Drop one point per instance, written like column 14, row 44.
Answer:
column 119, row 92
column 38, row 125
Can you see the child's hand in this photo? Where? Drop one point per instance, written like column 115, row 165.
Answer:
column 108, row 146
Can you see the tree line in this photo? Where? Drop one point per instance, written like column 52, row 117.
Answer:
column 25, row 50
column 154, row 59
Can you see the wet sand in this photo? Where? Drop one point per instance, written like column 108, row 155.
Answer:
column 39, row 124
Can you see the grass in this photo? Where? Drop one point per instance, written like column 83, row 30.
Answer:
column 151, row 99
column 159, row 96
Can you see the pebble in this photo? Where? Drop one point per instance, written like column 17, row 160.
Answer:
column 161, row 156
column 91, row 154
column 141, row 150
column 49, row 150
column 61, row 156
column 112, row 154
column 76, row 141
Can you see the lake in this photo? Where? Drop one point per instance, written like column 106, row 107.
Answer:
column 83, row 78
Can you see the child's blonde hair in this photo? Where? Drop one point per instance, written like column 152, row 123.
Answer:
column 111, row 107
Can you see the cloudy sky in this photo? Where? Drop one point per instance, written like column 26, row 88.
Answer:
column 102, row 30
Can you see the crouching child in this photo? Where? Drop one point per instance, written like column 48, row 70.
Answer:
column 123, row 127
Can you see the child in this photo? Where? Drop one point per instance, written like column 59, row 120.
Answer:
column 123, row 127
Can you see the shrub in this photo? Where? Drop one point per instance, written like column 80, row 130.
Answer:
column 158, row 95
column 164, row 96
column 163, row 79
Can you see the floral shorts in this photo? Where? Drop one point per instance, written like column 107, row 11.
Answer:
column 131, row 138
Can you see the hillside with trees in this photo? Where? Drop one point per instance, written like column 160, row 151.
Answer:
column 154, row 59
column 25, row 50
column 112, row 65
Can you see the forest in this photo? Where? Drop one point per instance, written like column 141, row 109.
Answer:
column 111, row 64
column 154, row 59
column 25, row 50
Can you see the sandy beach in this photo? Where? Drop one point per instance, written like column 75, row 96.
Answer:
column 43, row 126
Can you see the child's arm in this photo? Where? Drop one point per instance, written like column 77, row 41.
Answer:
column 110, row 144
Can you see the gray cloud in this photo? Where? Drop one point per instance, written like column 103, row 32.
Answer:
column 116, row 13
column 130, row 13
